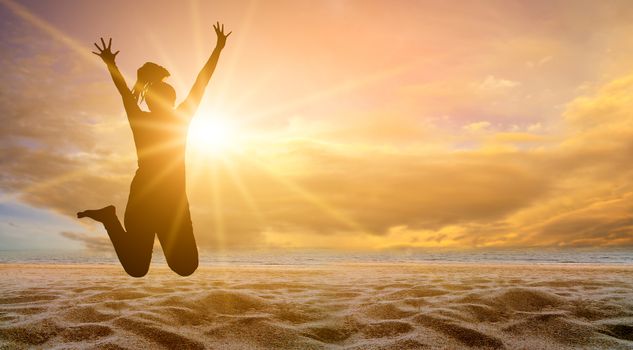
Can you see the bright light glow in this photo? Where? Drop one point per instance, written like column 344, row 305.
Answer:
column 211, row 135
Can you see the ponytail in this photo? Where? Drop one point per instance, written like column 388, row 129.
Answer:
column 147, row 75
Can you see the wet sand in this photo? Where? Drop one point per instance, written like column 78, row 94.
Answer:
column 349, row 306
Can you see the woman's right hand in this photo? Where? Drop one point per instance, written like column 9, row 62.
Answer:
column 105, row 52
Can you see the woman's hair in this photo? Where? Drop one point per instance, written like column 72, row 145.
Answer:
column 150, row 73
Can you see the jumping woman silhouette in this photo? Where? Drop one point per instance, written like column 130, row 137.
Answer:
column 157, row 204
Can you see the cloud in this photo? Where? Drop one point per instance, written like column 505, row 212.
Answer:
column 609, row 222
column 91, row 242
column 574, row 190
column 491, row 83
column 477, row 126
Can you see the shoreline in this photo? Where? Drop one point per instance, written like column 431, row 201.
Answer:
column 162, row 265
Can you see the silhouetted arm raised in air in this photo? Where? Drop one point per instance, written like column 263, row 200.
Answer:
column 105, row 52
column 189, row 106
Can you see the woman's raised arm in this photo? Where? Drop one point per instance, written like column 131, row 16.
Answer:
column 105, row 52
column 189, row 106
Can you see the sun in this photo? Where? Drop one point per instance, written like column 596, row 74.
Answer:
column 211, row 135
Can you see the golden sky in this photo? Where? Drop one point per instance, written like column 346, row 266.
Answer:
column 354, row 125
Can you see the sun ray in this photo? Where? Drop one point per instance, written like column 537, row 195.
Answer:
column 55, row 181
column 216, row 207
column 309, row 197
column 165, row 60
column 243, row 190
column 196, row 29
column 22, row 12
column 203, row 169
column 336, row 90
column 236, row 50
column 254, row 88
column 197, row 163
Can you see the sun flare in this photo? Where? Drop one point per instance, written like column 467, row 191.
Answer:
column 211, row 135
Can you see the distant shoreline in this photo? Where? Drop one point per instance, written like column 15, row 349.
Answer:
column 615, row 257
column 326, row 265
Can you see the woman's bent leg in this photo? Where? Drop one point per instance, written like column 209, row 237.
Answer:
column 176, row 237
column 133, row 247
column 136, row 251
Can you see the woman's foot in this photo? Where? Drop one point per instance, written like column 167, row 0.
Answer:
column 100, row 215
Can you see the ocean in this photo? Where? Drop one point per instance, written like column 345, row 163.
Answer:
column 621, row 256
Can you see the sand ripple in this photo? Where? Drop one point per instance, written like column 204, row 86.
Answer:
column 327, row 307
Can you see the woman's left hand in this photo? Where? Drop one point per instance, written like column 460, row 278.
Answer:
column 105, row 52
column 219, row 31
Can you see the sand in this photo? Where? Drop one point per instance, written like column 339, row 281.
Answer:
column 380, row 306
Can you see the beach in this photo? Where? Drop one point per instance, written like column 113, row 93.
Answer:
column 330, row 306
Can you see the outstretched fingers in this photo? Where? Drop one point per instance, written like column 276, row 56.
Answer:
column 219, row 30
column 105, row 50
